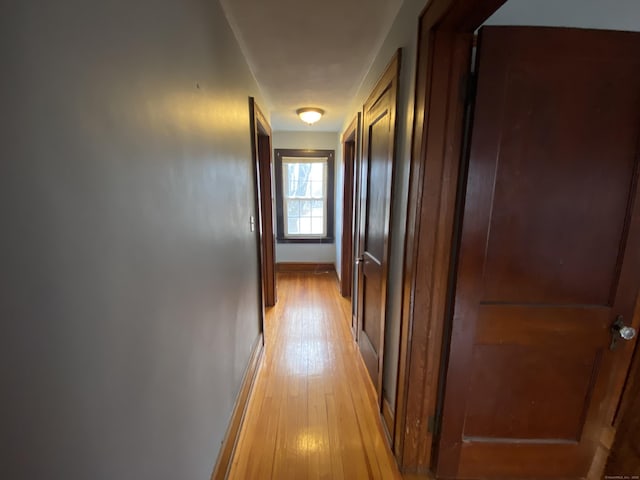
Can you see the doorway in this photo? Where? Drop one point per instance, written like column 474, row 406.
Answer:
column 261, row 151
column 348, row 281
column 349, row 144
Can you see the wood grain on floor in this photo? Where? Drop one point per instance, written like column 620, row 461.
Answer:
column 312, row 412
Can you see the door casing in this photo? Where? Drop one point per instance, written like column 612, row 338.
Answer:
column 261, row 152
column 351, row 139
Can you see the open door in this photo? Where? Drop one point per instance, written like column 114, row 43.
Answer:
column 549, row 264
column 261, row 148
column 378, row 148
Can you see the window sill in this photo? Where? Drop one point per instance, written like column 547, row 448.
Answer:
column 305, row 240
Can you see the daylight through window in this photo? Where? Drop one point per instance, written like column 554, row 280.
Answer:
column 304, row 196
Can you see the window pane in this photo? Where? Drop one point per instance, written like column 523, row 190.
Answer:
column 290, row 179
column 317, row 189
column 305, row 208
column 293, row 208
column 305, row 226
column 298, row 179
column 317, row 226
column 317, row 172
column 317, row 209
column 292, row 226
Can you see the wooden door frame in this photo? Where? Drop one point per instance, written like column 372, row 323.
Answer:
column 349, row 140
column 445, row 40
column 625, row 409
column 261, row 154
column 350, row 240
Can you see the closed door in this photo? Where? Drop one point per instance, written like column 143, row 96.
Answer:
column 376, row 187
column 549, row 254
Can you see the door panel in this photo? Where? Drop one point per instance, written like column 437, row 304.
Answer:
column 376, row 180
column 369, row 340
column 544, row 265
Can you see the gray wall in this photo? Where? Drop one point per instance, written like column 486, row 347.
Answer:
column 129, row 286
column 403, row 34
column 314, row 252
column 599, row 14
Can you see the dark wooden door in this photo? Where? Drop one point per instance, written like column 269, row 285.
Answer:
column 261, row 151
column 349, row 157
column 377, row 180
column 267, row 220
column 549, row 254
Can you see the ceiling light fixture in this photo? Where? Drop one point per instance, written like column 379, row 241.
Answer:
column 310, row 115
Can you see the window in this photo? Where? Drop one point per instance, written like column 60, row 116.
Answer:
column 304, row 196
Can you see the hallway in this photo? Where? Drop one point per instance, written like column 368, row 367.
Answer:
column 312, row 411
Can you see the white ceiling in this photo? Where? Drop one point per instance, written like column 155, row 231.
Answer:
column 310, row 53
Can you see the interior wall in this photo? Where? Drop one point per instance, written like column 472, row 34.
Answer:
column 130, row 289
column 314, row 252
column 599, row 14
column 403, row 34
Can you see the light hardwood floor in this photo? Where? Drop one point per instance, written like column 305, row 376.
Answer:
column 312, row 412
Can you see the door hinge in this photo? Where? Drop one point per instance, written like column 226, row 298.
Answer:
column 433, row 425
column 469, row 84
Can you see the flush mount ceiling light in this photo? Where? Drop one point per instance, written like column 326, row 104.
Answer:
column 310, row 115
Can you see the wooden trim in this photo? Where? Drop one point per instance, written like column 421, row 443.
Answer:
column 266, row 220
column 356, row 298
column 305, row 267
column 614, row 437
column 261, row 121
column 322, row 240
column 230, row 441
column 349, row 147
column 388, row 418
column 444, row 44
column 350, row 133
column 632, row 381
column 261, row 154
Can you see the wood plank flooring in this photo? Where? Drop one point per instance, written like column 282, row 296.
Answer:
column 312, row 413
